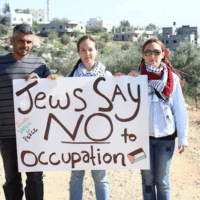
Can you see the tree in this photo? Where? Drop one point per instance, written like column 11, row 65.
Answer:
column 151, row 26
column 101, row 47
column 96, row 29
column 36, row 26
column 6, row 8
column 65, row 39
column 125, row 46
column 5, row 21
column 56, row 20
column 1, row 17
column 186, row 59
column 117, row 60
column 124, row 23
column 3, row 30
column 75, row 33
column 124, row 26
column 106, row 37
column 51, row 34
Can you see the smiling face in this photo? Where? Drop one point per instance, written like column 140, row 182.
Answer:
column 153, row 58
column 88, row 53
column 22, row 45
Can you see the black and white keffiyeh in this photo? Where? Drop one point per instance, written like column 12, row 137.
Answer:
column 160, row 84
column 98, row 70
column 153, row 69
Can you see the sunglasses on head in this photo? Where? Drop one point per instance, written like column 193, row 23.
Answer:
column 156, row 52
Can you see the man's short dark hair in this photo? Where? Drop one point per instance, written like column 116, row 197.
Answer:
column 23, row 28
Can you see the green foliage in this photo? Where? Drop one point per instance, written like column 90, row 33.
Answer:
column 124, row 26
column 77, row 39
column 124, row 23
column 106, row 37
column 65, row 39
column 186, row 58
column 75, row 33
column 3, row 29
column 5, row 21
column 52, row 35
column 56, row 20
column 101, row 46
column 117, row 60
column 122, row 29
column 125, row 46
column 151, row 26
column 6, row 8
column 64, row 66
column 96, row 29
column 116, row 29
column 1, row 17
column 36, row 26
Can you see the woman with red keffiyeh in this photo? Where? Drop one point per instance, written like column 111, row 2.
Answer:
column 167, row 118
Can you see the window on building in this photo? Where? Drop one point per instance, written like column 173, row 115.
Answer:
column 163, row 42
column 52, row 27
column 81, row 27
column 60, row 27
column 28, row 19
column 43, row 29
column 167, row 42
column 22, row 19
column 14, row 19
column 116, row 36
column 174, row 41
column 41, row 20
column 67, row 26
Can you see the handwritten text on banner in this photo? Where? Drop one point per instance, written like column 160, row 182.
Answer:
column 82, row 123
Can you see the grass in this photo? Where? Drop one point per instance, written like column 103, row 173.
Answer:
column 190, row 101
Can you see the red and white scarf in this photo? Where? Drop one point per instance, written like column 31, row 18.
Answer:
column 162, row 82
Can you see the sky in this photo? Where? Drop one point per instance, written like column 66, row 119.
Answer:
column 137, row 12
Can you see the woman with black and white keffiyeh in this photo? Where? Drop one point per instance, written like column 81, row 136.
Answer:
column 87, row 65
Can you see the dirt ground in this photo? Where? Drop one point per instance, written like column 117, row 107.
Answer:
column 126, row 184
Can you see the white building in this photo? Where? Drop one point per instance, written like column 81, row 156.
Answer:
column 19, row 18
column 133, row 35
column 62, row 28
column 100, row 23
column 38, row 15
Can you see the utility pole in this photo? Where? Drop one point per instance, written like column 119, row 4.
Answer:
column 48, row 10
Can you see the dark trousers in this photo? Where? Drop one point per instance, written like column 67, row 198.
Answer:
column 13, row 187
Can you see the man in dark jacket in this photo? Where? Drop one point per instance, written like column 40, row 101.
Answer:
column 18, row 65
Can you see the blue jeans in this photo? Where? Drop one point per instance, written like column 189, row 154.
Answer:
column 13, row 188
column 100, row 180
column 161, row 153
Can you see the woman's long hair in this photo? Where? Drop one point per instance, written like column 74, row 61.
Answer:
column 86, row 37
column 165, row 60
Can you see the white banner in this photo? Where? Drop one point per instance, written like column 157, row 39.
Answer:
column 82, row 123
